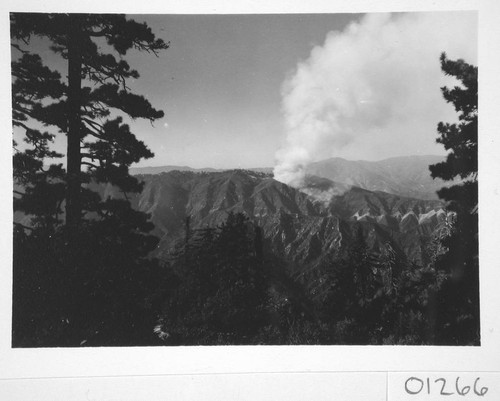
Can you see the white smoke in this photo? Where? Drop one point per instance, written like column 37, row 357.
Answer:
column 372, row 91
column 324, row 195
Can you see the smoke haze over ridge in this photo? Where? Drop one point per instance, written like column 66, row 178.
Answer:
column 372, row 90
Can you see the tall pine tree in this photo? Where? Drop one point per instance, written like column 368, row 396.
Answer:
column 458, row 299
column 95, row 272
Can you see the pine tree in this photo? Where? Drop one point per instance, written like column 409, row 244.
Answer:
column 459, row 139
column 82, row 108
column 96, row 249
column 458, row 313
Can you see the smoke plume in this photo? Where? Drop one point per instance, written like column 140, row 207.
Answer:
column 372, row 91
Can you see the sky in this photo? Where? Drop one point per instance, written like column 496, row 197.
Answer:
column 220, row 82
column 242, row 91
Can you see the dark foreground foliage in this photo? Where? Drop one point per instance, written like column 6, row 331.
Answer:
column 224, row 286
column 98, row 293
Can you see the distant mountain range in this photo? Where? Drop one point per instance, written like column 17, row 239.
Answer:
column 405, row 176
column 166, row 169
column 295, row 224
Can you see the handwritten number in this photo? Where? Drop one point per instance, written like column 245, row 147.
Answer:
column 464, row 391
column 412, row 379
column 481, row 392
column 415, row 385
column 444, row 385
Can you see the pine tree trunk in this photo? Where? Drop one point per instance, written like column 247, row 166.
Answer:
column 73, row 206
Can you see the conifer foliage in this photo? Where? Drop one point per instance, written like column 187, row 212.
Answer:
column 222, row 287
column 80, row 256
column 458, row 300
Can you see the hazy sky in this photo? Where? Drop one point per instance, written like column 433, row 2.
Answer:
column 250, row 90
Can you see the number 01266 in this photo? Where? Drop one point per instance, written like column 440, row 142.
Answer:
column 445, row 386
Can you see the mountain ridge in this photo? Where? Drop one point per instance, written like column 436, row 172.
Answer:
column 401, row 175
column 405, row 175
column 295, row 224
column 167, row 168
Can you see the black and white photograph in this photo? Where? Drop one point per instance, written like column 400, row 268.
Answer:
column 273, row 179
column 256, row 201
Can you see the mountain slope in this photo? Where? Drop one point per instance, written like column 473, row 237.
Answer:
column 294, row 224
column 406, row 176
